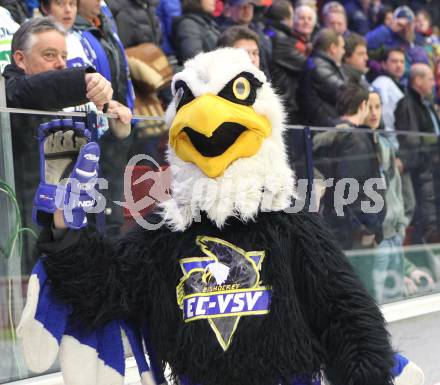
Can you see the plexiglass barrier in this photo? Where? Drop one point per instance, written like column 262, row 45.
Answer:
column 377, row 192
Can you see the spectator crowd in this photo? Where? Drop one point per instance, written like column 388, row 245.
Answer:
column 372, row 64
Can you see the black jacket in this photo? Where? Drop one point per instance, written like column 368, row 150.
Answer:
column 51, row 91
column 412, row 114
column 136, row 21
column 318, row 89
column 354, row 76
column 420, row 157
column 17, row 8
column 320, row 315
column 341, row 155
column 286, row 66
column 194, row 32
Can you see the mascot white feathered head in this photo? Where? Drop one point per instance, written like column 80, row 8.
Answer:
column 226, row 144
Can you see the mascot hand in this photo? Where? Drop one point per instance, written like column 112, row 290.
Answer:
column 68, row 172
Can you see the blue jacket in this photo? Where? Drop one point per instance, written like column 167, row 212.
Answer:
column 107, row 55
column 31, row 5
column 382, row 38
column 358, row 20
column 166, row 11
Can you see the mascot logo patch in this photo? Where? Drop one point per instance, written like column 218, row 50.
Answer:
column 222, row 286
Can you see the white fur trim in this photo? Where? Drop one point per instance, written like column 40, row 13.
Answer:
column 411, row 375
column 80, row 365
column 108, row 375
column 40, row 348
column 31, row 303
column 147, row 379
column 261, row 182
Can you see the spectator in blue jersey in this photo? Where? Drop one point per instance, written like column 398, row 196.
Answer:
column 167, row 10
column 64, row 12
column 98, row 27
column 79, row 55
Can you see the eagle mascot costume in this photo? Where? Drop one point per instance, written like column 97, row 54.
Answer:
column 229, row 288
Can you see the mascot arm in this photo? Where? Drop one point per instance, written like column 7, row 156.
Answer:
column 348, row 323
column 82, row 293
column 97, row 277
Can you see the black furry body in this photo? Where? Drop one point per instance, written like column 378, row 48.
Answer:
column 320, row 317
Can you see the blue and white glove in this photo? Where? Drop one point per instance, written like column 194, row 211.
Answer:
column 68, row 172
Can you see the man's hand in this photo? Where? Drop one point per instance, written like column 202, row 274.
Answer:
column 410, row 286
column 417, row 279
column 120, row 127
column 399, row 165
column 418, row 276
column 99, row 90
column 58, row 220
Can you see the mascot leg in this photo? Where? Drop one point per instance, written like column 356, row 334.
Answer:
column 42, row 323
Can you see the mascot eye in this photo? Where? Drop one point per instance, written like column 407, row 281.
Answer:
column 183, row 94
column 241, row 88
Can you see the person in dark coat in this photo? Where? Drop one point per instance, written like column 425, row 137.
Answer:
column 136, row 21
column 196, row 30
column 286, row 66
column 321, row 79
column 419, row 155
column 287, row 61
column 351, row 155
column 247, row 13
column 355, row 60
column 38, row 79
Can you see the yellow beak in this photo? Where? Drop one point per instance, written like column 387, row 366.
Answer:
column 210, row 117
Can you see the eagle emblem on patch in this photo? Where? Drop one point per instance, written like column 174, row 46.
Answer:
column 222, row 286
